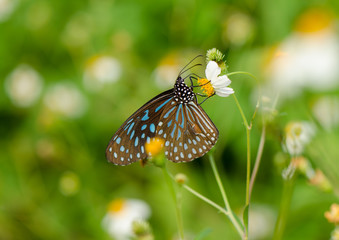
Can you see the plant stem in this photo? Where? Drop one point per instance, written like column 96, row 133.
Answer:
column 284, row 207
column 248, row 159
column 177, row 205
column 224, row 196
column 258, row 158
column 205, row 199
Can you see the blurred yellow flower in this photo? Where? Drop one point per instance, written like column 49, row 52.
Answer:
column 154, row 146
column 314, row 20
column 332, row 216
column 319, row 180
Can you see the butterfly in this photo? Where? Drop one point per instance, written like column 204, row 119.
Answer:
column 174, row 116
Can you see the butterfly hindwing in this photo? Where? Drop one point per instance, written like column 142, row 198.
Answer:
column 128, row 143
column 188, row 131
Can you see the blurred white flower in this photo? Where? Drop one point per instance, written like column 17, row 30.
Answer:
column 65, row 99
column 298, row 134
column 101, row 70
column 215, row 83
column 6, row 8
column 307, row 59
column 24, row 85
column 326, row 110
column 121, row 214
column 167, row 71
column 335, row 234
column 238, row 28
column 77, row 31
column 261, row 222
column 69, row 183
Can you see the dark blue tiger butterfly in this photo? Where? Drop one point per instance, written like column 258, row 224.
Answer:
column 176, row 117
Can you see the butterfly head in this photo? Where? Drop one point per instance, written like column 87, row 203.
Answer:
column 182, row 92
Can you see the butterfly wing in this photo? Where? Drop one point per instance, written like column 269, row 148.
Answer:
column 128, row 143
column 188, row 131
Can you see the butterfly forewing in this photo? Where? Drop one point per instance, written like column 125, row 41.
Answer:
column 128, row 143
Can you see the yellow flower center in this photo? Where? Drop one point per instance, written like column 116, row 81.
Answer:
column 155, row 146
column 116, row 205
column 314, row 20
column 206, row 86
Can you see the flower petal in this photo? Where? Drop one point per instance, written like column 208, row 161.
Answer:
column 224, row 92
column 212, row 70
column 221, row 81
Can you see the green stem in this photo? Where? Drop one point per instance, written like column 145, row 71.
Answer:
column 258, row 158
column 177, row 204
column 248, row 130
column 224, row 196
column 205, row 199
column 284, row 208
column 248, row 160
column 240, row 72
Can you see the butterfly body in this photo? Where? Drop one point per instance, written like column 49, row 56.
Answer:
column 176, row 117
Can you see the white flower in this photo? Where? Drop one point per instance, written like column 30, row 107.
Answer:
column 167, row 70
column 261, row 221
column 24, row 86
column 121, row 214
column 101, row 70
column 219, row 83
column 298, row 134
column 305, row 61
column 65, row 99
column 326, row 110
column 6, row 8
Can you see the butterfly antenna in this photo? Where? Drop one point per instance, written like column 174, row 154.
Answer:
column 198, row 64
column 182, row 70
column 192, row 74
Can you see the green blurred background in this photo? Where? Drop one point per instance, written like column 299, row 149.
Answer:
column 73, row 71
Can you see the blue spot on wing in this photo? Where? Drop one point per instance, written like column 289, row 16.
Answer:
column 136, row 142
column 152, row 128
column 163, row 104
column 179, row 134
column 168, row 113
column 118, row 140
column 130, row 127
column 143, row 127
column 175, row 126
column 177, row 116
column 132, row 134
column 169, row 123
column 145, row 117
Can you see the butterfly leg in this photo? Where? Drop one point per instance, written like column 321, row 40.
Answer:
column 191, row 77
column 206, row 97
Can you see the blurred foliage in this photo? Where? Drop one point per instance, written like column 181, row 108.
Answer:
column 54, row 180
